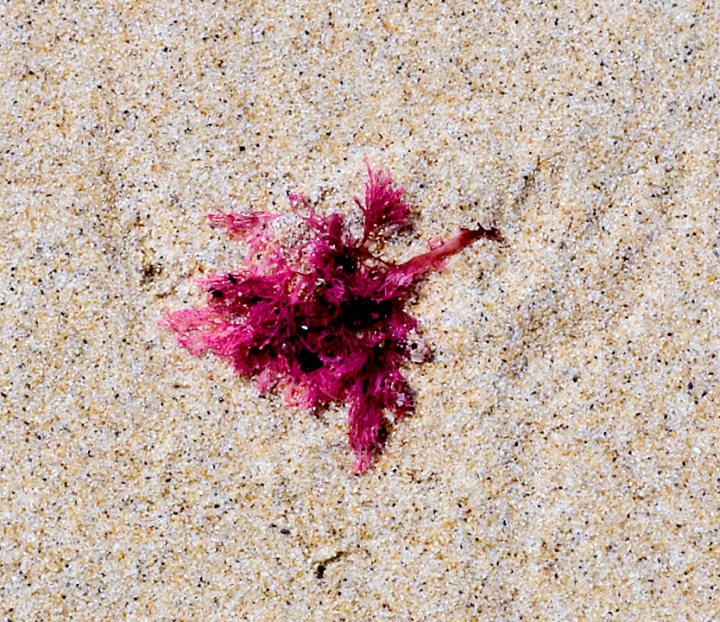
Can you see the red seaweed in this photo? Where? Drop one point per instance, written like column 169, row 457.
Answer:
column 325, row 320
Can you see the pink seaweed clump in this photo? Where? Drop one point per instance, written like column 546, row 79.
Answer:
column 326, row 319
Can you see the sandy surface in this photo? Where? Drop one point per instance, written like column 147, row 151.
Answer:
column 562, row 461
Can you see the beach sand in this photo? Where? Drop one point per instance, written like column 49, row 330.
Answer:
column 561, row 462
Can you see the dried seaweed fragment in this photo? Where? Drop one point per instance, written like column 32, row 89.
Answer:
column 326, row 320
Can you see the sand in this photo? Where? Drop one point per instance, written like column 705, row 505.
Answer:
column 562, row 459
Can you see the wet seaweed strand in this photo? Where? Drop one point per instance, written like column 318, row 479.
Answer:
column 326, row 321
